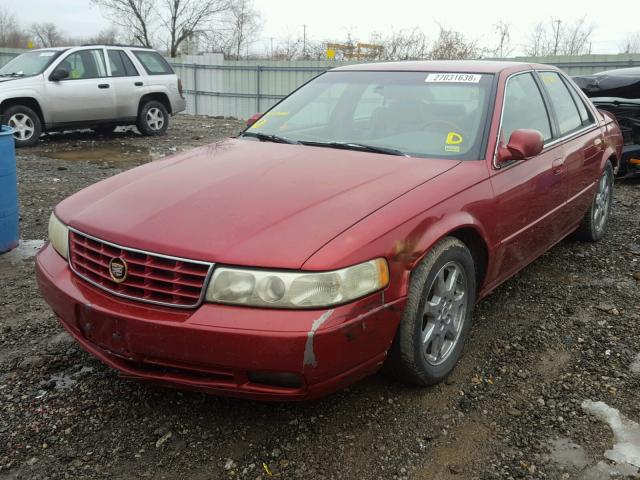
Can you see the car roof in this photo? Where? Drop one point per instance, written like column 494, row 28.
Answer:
column 467, row 66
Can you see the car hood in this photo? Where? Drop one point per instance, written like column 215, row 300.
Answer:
column 245, row 202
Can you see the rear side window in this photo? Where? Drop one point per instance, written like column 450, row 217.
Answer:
column 153, row 62
column 585, row 114
column 121, row 65
column 566, row 110
column 524, row 108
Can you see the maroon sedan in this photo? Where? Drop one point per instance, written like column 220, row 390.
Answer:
column 358, row 221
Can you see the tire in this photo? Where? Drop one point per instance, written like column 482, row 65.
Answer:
column 595, row 221
column 26, row 124
column 153, row 119
column 105, row 129
column 421, row 363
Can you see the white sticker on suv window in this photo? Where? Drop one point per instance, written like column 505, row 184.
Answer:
column 453, row 78
column 46, row 54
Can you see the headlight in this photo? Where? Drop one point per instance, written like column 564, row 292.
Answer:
column 262, row 288
column 59, row 236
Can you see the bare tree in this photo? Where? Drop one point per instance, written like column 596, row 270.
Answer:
column 631, row 43
column 185, row 19
column 244, row 22
column 135, row 17
column 537, row 42
column 46, row 34
column 556, row 37
column 453, row 45
column 576, row 38
column 11, row 35
column 503, row 48
column 405, row 45
column 288, row 48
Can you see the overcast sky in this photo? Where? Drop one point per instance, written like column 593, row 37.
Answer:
column 332, row 19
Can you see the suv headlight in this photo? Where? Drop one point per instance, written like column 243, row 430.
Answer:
column 59, row 236
column 278, row 289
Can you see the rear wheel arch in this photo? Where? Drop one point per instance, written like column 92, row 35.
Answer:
column 158, row 96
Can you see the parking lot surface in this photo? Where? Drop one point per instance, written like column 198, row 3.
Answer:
column 564, row 331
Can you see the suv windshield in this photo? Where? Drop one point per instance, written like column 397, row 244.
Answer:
column 422, row 114
column 31, row 63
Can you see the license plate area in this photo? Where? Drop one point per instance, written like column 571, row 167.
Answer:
column 105, row 331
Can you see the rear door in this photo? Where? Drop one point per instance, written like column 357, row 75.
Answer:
column 127, row 83
column 581, row 140
column 529, row 194
column 86, row 95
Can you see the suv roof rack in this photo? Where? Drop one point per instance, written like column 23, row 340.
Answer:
column 113, row 45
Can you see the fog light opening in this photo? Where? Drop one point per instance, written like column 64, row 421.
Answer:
column 287, row 380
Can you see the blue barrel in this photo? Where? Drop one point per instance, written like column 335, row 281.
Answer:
column 8, row 191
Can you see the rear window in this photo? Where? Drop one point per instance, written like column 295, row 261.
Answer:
column 153, row 62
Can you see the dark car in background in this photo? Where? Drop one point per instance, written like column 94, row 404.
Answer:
column 618, row 92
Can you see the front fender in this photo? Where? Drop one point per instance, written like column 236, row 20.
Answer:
column 405, row 230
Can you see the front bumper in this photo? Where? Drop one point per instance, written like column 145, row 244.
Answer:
column 219, row 349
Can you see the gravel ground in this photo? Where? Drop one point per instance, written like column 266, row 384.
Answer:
column 563, row 331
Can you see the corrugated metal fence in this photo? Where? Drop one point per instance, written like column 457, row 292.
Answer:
column 215, row 86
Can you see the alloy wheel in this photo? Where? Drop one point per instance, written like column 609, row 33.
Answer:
column 22, row 125
column 444, row 313
column 601, row 202
column 155, row 118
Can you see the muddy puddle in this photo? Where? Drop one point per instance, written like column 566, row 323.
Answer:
column 120, row 154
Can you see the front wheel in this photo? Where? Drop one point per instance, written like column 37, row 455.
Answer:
column 153, row 119
column 594, row 224
column 25, row 124
column 437, row 317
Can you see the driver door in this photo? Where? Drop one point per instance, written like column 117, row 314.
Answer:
column 529, row 194
column 87, row 94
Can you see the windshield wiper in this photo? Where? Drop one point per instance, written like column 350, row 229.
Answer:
column 356, row 146
column 263, row 137
column 13, row 74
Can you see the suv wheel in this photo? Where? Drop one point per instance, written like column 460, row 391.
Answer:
column 153, row 118
column 437, row 316
column 594, row 223
column 25, row 123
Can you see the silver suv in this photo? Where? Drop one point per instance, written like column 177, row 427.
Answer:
column 93, row 86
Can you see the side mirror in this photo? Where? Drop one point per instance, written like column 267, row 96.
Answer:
column 59, row 74
column 522, row 144
column 253, row 119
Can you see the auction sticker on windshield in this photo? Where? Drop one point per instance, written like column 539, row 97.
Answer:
column 453, row 78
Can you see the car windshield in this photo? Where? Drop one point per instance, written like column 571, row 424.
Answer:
column 422, row 114
column 30, row 63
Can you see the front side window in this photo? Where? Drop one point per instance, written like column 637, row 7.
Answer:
column 524, row 108
column 566, row 111
column 423, row 114
column 153, row 62
column 85, row 64
column 28, row 64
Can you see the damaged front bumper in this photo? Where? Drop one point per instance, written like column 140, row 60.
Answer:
column 232, row 351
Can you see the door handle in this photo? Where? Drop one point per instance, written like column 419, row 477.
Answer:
column 138, row 84
column 557, row 166
column 103, row 85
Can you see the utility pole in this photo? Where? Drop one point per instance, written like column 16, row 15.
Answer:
column 271, row 41
column 304, row 41
column 556, row 42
